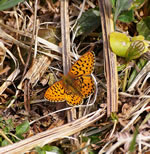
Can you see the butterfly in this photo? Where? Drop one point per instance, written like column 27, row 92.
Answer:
column 77, row 84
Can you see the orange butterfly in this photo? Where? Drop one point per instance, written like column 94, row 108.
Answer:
column 77, row 84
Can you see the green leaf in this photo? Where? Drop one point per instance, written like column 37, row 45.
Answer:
column 94, row 138
column 3, row 1
column 54, row 1
column 91, row 152
column 6, row 129
column 121, row 67
column 113, row 2
column 146, row 119
column 22, row 128
column 1, row 140
column 6, row 4
column 137, row 3
column 9, row 124
column 119, row 43
column 52, row 149
column 93, row 135
column 40, row 150
column 114, row 116
column 4, row 143
column 49, row 148
column 143, row 27
column 139, row 37
column 123, row 47
column 135, row 50
column 1, row 118
column 127, row 16
column 141, row 63
column 88, row 22
column 133, row 142
column 121, row 5
column 85, row 138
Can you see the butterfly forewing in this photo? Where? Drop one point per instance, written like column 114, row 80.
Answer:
column 84, row 65
column 55, row 93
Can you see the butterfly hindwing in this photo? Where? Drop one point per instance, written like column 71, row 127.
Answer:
column 56, row 92
column 86, row 84
column 73, row 99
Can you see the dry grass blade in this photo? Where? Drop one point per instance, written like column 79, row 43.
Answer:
column 9, row 80
column 2, row 55
column 110, row 57
column 54, row 134
column 13, row 40
column 48, row 44
column 136, row 114
column 141, row 74
column 13, row 75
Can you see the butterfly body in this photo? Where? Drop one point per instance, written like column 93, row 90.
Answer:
column 77, row 84
column 70, row 84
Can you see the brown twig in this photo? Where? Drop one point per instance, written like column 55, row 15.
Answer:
column 27, row 95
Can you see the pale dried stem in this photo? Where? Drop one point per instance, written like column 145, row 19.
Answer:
column 35, row 29
column 54, row 134
column 65, row 34
column 110, row 57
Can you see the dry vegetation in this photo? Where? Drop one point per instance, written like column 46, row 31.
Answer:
column 33, row 41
